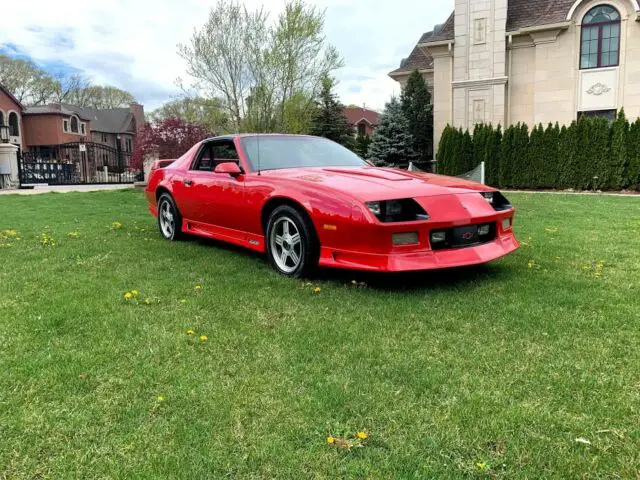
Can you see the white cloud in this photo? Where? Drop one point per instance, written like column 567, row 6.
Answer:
column 132, row 43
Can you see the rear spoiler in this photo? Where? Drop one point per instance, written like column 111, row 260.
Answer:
column 161, row 164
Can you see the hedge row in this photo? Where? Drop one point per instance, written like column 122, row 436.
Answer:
column 591, row 153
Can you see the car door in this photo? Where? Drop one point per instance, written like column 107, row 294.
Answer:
column 218, row 198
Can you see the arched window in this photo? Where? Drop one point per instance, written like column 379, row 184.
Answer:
column 600, row 45
column 14, row 125
column 74, row 124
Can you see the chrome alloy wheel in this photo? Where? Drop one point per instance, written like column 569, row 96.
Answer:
column 167, row 219
column 286, row 245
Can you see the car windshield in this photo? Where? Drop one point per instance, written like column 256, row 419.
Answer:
column 277, row 152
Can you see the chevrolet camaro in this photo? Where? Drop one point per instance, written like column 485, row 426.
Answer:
column 308, row 202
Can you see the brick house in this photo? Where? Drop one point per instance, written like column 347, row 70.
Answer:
column 47, row 127
column 362, row 120
column 11, row 113
column 41, row 129
column 530, row 61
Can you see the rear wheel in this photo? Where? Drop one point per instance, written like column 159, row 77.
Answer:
column 169, row 219
column 292, row 246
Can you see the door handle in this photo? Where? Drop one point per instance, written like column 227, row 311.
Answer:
column 187, row 183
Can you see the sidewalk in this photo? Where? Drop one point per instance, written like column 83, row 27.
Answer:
column 65, row 189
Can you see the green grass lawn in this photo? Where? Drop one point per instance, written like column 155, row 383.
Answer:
column 492, row 371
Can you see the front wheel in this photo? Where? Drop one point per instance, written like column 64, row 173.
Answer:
column 169, row 219
column 291, row 246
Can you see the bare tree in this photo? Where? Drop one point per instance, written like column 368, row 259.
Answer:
column 258, row 67
column 32, row 85
column 216, row 56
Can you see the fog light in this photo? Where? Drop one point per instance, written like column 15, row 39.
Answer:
column 484, row 229
column 408, row 238
column 438, row 237
column 506, row 223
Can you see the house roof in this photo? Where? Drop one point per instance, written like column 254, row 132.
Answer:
column 53, row 110
column 6, row 91
column 111, row 120
column 355, row 114
column 417, row 60
column 532, row 13
column 520, row 14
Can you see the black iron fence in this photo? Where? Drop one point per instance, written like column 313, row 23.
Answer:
column 77, row 163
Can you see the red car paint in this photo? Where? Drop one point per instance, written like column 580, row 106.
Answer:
column 230, row 207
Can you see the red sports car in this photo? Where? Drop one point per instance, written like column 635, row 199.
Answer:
column 308, row 202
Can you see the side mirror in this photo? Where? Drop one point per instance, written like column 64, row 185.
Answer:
column 230, row 168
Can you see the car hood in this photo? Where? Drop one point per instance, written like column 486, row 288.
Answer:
column 371, row 183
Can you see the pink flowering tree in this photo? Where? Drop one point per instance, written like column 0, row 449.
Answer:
column 167, row 139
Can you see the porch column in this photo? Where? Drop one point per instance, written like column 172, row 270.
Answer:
column 9, row 177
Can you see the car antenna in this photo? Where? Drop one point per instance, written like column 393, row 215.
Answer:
column 258, row 153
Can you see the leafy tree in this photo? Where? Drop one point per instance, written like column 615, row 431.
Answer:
column 633, row 150
column 507, row 157
column 250, row 62
column 492, row 156
column 392, row 143
column 330, row 120
column 443, row 155
column 101, row 97
column 167, row 139
column 568, row 152
column 417, row 108
column 209, row 113
column 619, row 159
column 299, row 111
column 363, row 142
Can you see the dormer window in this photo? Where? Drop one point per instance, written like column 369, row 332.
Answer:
column 74, row 124
column 65, row 126
column 82, row 129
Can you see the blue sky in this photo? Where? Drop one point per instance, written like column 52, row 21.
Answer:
column 131, row 44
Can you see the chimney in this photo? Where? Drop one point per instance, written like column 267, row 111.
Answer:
column 137, row 111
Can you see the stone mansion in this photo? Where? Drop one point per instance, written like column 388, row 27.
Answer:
column 531, row 61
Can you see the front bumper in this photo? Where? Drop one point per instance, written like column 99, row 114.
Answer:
column 420, row 260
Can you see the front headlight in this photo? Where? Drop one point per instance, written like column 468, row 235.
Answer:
column 404, row 210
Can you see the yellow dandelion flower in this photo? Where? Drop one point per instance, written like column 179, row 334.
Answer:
column 317, row 290
column 135, row 293
column 198, row 287
column 203, row 338
column 184, row 300
column 331, row 440
column 362, row 435
column 531, row 264
column 190, row 332
column 481, row 465
column 160, row 398
column 128, row 296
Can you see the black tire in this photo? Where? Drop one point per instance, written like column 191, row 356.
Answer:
column 309, row 247
column 175, row 233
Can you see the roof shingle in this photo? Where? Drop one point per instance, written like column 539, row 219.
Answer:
column 520, row 14
column 417, row 60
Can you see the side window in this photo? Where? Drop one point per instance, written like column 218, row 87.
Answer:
column 224, row 152
column 204, row 162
